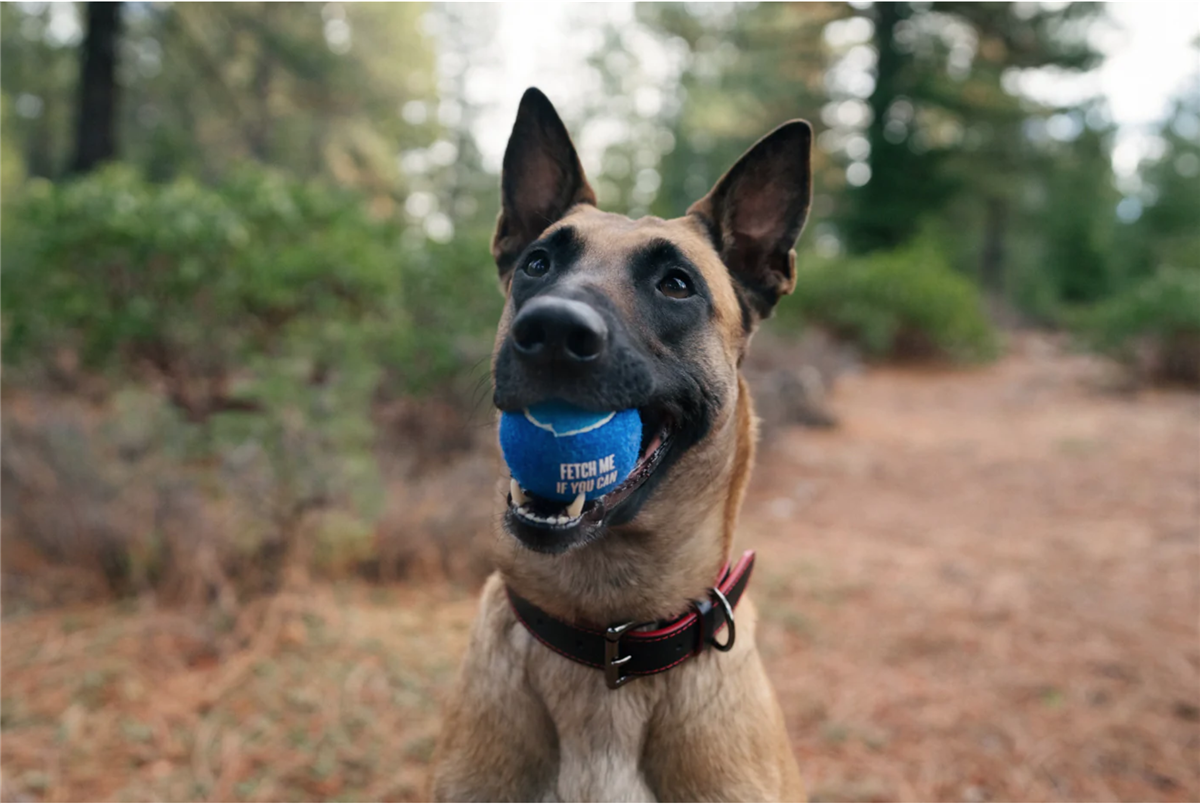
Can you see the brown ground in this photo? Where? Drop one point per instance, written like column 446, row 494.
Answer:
column 984, row 585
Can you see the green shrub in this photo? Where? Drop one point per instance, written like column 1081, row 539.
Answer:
column 267, row 315
column 901, row 303
column 194, row 281
column 181, row 273
column 1153, row 326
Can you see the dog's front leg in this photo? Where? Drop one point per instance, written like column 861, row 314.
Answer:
column 497, row 740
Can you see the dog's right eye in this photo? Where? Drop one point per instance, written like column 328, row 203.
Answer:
column 538, row 264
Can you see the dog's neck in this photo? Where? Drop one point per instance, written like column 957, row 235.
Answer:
column 652, row 568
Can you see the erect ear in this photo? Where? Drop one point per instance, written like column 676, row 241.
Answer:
column 757, row 210
column 542, row 178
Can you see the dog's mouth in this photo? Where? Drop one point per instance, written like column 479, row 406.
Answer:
column 551, row 526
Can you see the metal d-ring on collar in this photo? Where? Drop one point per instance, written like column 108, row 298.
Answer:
column 712, row 640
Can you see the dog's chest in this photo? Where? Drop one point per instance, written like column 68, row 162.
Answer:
column 601, row 732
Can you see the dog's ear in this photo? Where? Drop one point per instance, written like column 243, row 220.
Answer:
column 542, row 179
column 757, row 210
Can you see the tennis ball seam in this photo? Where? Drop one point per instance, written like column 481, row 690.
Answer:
column 549, row 428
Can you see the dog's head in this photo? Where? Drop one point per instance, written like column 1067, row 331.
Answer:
column 610, row 313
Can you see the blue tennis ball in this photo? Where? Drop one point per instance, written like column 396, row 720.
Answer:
column 557, row 450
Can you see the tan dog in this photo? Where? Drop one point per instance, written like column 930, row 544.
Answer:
column 609, row 313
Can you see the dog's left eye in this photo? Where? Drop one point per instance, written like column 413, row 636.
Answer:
column 676, row 285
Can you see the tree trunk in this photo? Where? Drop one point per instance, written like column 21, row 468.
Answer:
column 96, row 126
column 883, row 210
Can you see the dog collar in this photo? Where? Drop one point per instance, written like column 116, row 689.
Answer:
column 624, row 653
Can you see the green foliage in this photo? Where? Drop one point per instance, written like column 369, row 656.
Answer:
column 315, row 89
column 197, row 282
column 1166, row 233
column 942, row 128
column 12, row 168
column 895, row 304
column 190, row 278
column 38, row 71
column 748, row 67
column 452, row 303
column 250, row 305
column 268, row 312
column 1078, row 223
column 1164, row 308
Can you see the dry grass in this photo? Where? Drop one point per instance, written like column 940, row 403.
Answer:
column 984, row 585
column 333, row 696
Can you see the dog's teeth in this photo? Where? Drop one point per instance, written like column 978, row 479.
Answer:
column 518, row 496
column 576, row 507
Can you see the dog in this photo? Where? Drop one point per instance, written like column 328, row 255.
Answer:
column 608, row 313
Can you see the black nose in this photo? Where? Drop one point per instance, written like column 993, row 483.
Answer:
column 550, row 328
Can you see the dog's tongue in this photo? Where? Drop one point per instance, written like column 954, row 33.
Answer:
column 654, row 444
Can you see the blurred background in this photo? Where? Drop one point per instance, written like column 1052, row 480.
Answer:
column 248, row 460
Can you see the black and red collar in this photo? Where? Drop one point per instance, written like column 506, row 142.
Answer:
column 624, row 653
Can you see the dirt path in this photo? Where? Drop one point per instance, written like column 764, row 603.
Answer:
column 984, row 585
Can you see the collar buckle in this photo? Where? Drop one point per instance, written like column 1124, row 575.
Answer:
column 612, row 656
